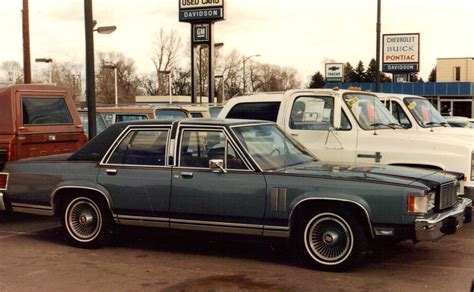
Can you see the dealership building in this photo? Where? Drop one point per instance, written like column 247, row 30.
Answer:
column 452, row 94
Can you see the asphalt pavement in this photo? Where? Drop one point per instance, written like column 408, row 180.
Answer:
column 35, row 256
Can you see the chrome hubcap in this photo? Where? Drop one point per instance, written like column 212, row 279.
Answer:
column 328, row 238
column 84, row 219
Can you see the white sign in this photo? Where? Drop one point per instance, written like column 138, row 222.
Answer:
column 334, row 71
column 401, row 48
column 193, row 4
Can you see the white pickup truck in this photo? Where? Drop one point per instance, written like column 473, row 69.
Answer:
column 416, row 113
column 354, row 126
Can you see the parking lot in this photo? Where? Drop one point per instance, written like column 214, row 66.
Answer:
column 36, row 256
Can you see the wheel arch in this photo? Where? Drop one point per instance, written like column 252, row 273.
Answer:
column 65, row 190
column 361, row 208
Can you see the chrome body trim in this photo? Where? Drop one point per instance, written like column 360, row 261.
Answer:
column 216, row 228
column 439, row 224
column 3, row 206
column 32, row 209
column 274, row 199
column 339, row 200
column 143, row 221
column 106, row 197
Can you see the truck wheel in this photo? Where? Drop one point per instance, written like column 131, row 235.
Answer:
column 331, row 240
column 86, row 222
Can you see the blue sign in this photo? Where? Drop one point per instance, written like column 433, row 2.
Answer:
column 398, row 68
column 201, row 14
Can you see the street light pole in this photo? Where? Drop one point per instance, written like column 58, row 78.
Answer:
column 90, row 75
column 26, row 42
column 377, row 58
column 168, row 72
column 245, row 59
column 114, row 67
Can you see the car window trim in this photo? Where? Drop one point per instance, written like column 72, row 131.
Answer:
column 177, row 146
column 124, row 134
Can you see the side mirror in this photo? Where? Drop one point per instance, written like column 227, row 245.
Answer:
column 217, row 165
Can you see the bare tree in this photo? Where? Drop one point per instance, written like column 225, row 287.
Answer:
column 127, row 79
column 67, row 75
column 165, row 54
column 13, row 71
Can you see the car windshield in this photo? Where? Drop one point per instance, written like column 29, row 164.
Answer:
column 424, row 113
column 369, row 112
column 270, row 148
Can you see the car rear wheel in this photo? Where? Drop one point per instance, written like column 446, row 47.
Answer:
column 331, row 240
column 86, row 222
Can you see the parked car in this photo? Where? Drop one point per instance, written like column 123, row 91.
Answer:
column 355, row 127
column 166, row 112
column 100, row 122
column 460, row 122
column 116, row 114
column 235, row 176
column 197, row 110
column 37, row 120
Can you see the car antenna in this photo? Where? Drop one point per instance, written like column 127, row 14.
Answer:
column 375, row 124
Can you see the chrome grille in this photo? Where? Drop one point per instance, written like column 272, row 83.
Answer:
column 448, row 196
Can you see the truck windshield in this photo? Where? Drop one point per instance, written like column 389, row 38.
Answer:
column 424, row 113
column 270, row 148
column 369, row 112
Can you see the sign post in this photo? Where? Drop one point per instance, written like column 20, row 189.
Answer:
column 202, row 14
column 401, row 53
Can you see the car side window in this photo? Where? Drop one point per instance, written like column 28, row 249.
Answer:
column 199, row 147
column 399, row 114
column 266, row 111
column 142, row 147
column 315, row 113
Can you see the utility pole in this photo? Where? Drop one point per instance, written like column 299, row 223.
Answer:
column 26, row 43
column 90, row 75
column 377, row 57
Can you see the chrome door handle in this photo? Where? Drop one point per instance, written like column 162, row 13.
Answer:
column 187, row 174
column 111, row 171
column 294, row 134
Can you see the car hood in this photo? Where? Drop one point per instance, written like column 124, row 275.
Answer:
column 372, row 173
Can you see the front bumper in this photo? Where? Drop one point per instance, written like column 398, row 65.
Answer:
column 3, row 206
column 440, row 224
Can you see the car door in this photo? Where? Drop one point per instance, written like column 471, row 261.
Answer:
column 232, row 201
column 311, row 122
column 137, row 176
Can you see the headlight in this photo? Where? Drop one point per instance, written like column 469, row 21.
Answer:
column 421, row 204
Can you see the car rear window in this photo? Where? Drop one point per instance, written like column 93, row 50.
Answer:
column 127, row 118
column 267, row 111
column 164, row 114
column 45, row 111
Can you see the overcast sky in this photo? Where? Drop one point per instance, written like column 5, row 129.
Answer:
column 298, row 33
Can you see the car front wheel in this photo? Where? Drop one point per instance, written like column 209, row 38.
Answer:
column 331, row 240
column 86, row 222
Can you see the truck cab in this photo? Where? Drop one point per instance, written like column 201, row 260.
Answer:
column 354, row 126
column 37, row 120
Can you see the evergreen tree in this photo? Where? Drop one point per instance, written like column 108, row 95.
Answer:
column 371, row 74
column 359, row 73
column 349, row 74
column 317, row 81
column 432, row 77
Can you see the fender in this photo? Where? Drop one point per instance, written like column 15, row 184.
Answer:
column 345, row 198
column 84, row 185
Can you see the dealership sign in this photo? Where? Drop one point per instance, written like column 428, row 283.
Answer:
column 401, row 53
column 334, row 72
column 201, row 32
column 201, row 10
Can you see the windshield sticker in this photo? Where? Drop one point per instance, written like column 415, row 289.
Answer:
column 352, row 101
column 412, row 105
